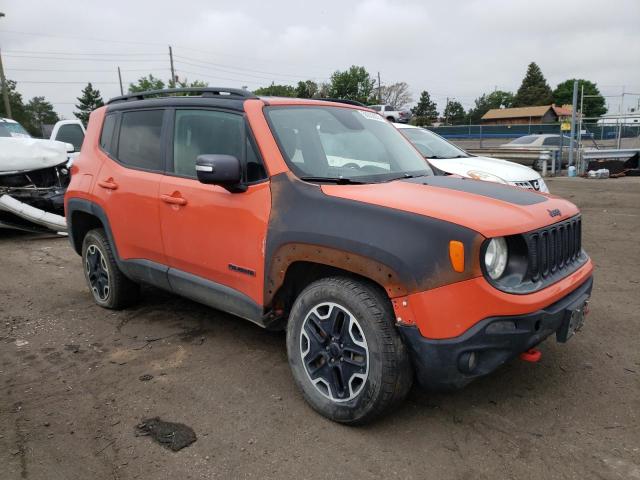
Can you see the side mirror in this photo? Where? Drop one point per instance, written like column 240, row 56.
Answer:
column 223, row 170
column 70, row 148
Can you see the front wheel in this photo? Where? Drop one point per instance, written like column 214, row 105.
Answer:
column 344, row 351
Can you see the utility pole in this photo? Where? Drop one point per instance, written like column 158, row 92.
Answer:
column 573, row 121
column 379, row 90
column 5, row 87
column 120, row 79
column 173, row 72
column 621, row 121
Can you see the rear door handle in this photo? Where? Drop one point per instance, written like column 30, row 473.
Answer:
column 174, row 199
column 109, row 184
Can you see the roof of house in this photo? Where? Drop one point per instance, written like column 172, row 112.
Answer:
column 525, row 112
column 563, row 111
column 519, row 112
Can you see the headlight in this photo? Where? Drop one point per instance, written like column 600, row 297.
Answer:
column 495, row 257
column 487, row 177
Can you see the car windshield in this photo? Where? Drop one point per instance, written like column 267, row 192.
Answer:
column 431, row 145
column 336, row 143
column 523, row 140
column 15, row 129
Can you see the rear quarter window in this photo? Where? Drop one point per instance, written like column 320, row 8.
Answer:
column 106, row 137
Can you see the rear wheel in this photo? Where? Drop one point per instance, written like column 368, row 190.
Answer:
column 344, row 351
column 109, row 286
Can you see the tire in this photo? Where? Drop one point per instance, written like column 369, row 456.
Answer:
column 365, row 361
column 108, row 285
column 391, row 119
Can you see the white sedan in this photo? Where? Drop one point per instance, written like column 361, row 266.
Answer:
column 448, row 158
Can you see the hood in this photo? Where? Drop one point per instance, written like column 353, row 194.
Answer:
column 490, row 209
column 508, row 171
column 24, row 154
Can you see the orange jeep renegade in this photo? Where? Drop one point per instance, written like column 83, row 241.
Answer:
column 320, row 218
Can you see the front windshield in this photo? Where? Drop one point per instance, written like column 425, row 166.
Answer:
column 431, row 145
column 343, row 143
column 524, row 140
column 15, row 129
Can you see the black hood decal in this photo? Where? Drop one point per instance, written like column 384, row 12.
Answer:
column 517, row 196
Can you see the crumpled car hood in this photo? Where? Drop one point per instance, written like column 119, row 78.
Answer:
column 24, row 154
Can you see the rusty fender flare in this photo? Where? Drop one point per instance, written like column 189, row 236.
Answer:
column 366, row 267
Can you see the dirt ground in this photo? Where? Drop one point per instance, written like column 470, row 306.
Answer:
column 71, row 394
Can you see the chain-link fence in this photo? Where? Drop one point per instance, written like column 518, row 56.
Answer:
column 594, row 134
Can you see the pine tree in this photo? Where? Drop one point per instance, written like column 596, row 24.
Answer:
column 88, row 102
column 40, row 113
column 454, row 113
column 426, row 111
column 534, row 89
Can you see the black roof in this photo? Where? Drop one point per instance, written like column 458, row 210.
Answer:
column 203, row 92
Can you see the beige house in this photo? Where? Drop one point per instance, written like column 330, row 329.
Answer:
column 526, row 115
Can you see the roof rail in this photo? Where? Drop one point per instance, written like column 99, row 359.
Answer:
column 343, row 100
column 203, row 91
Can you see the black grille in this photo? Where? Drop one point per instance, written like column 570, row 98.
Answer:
column 554, row 248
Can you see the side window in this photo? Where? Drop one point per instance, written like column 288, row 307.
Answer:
column 388, row 108
column 106, row 137
column 551, row 141
column 71, row 133
column 201, row 132
column 139, row 140
column 377, row 108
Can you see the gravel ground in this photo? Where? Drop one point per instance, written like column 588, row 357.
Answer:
column 71, row 392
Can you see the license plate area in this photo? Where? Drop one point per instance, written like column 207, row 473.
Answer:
column 573, row 321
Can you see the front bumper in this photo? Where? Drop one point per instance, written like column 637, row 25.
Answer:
column 442, row 364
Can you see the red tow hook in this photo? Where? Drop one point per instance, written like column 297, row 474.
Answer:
column 532, row 355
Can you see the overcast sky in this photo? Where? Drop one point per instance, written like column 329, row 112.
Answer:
column 458, row 49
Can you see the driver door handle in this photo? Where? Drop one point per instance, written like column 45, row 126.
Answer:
column 174, row 199
column 109, row 184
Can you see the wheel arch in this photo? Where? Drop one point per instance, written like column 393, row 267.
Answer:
column 295, row 266
column 82, row 217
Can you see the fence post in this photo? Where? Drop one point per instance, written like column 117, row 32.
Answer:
column 543, row 160
column 480, row 135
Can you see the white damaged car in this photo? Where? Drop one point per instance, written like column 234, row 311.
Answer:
column 34, row 175
column 448, row 158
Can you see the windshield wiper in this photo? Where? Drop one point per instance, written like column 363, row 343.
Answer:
column 407, row 175
column 336, row 180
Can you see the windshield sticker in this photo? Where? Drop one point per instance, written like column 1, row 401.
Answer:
column 371, row 115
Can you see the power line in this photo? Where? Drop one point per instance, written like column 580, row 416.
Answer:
column 36, row 82
column 125, row 54
column 67, row 59
column 204, row 64
column 84, row 71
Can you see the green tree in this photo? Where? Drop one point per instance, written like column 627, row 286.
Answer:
column 484, row 103
column 353, row 84
column 40, row 112
column 534, row 89
column 18, row 110
column 307, row 89
column 274, row 90
column 186, row 84
column 426, row 111
column 87, row 103
column 146, row 83
column 593, row 106
column 454, row 112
